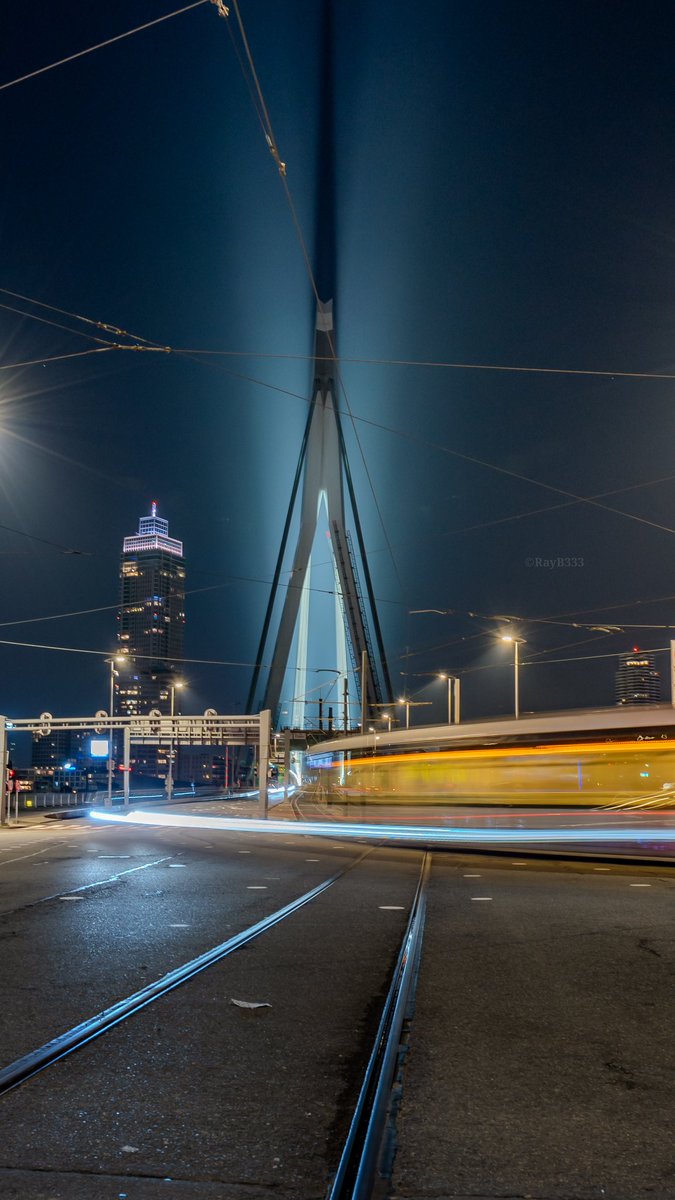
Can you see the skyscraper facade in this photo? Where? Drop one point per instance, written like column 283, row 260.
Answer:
column 151, row 617
column 637, row 680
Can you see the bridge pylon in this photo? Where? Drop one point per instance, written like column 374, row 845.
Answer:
column 323, row 473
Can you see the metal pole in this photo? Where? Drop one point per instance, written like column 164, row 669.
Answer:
column 516, row 664
column 407, row 714
column 263, row 760
column 456, row 684
column 345, row 702
column 287, row 762
column 364, row 660
column 4, row 798
column 108, row 801
column 169, row 773
column 450, row 681
column 126, row 735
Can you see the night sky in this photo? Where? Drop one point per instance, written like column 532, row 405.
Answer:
column 503, row 183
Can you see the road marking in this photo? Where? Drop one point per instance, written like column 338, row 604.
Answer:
column 256, row 887
column 639, row 885
column 472, row 876
column 23, row 856
column 114, row 856
column 243, row 851
column 71, row 897
column 519, row 864
column 481, row 897
column 179, row 925
column 177, row 864
column 312, row 860
column 602, row 868
column 392, row 907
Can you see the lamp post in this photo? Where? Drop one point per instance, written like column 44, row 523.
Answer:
column 411, row 704
column 117, row 658
column 169, row 773
column 453, row 697
column 517, row 643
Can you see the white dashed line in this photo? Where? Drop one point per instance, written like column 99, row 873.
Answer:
column 472, row 877
column 312, row 860
column 71, row 897
column 392, row 907
column 602, row 868
column 178, row 864
column 243, row 851
column 179, row 925
column 256, row 887
column 481, row 897
column 639, row 885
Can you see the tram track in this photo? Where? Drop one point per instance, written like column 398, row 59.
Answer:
column 361, row 1153
column 28, row 1065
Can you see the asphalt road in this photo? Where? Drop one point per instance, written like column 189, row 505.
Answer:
column 540, row 1061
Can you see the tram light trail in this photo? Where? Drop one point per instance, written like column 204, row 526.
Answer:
column 448, row 835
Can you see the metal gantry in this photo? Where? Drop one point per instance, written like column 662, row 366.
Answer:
column 207, row 729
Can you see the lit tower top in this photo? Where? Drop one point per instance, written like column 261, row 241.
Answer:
column 153, row 534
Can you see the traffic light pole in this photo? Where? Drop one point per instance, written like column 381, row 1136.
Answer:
column 4, row 794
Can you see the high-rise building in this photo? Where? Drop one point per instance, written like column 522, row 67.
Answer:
column 637, row 680
column 151, row 617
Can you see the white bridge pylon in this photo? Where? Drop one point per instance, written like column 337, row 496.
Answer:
column 323, row 467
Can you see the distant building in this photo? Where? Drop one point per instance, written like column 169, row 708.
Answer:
column 637, row 680
column 61, row 761
column 152, row 616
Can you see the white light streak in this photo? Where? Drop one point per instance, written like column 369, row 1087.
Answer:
column 413, row 834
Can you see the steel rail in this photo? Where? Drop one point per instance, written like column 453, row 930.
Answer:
column 73, row 1039
column 358, row 1163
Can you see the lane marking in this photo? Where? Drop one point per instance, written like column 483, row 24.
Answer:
column 472, row 876
column 179, row 925
column 178, row 864
column 312, row 860
column 72, row 895
column 243, row 851
column 602, row 868
column 392, row 907
column 639, row 885
column 23, row 856
column 114, row 856
column 481, row 897
column 256, row 887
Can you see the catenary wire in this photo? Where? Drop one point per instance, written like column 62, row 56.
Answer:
column 100, row 45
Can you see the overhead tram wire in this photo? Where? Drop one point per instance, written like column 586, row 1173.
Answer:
column 108, row 42
column 572, row 497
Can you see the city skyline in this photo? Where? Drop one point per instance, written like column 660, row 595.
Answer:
column 506, row 206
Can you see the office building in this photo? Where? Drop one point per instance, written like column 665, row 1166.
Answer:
column 637, row 680
column 151, row 617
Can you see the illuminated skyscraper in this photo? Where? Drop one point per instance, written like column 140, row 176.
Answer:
column 152, row 616
column 637, row 680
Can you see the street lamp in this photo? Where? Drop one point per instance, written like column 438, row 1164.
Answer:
column 517, row 643
column 388, row 718
column 169, row 773
column 117, row 658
